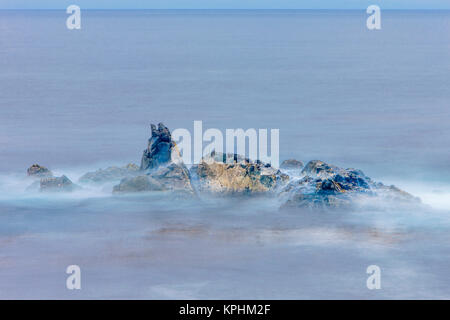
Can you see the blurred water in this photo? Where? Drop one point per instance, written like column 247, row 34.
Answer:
column 78, row 100
column 151, row 246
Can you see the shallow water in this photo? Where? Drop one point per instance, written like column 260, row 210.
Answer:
column 77, row 101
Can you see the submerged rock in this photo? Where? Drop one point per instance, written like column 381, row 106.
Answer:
column 57, row 184
column 38, row 171
column 215, row 175
column 138, row 184
column 110, row 174
column 291, row 164
column 324, row 185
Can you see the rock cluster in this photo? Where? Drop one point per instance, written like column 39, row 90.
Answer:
column 217, row 175
column 47, row 182
column 323, row 185
column 315, row 185
column 161, row 167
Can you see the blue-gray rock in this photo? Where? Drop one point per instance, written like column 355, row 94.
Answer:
column 173, row 178
column 291, row 164
column 161, row 149
column 37, row 171
column 162, row 167
column 328, row 186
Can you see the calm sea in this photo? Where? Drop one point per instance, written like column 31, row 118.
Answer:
column 375, row 100
column 76, row 100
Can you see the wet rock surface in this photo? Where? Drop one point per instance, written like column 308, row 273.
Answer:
column 328, row 186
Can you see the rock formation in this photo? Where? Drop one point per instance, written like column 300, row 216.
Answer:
column 162, row 167
column 174, row 177
column 57, row 184
column 324, row 185
column 317, row 185
column 46, row 182
column 215, row 175
column 167, row 178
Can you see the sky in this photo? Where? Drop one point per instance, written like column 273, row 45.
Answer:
column 225, row 4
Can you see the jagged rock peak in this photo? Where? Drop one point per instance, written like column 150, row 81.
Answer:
column 162, row 133
column 162, row 168
column 325, row 185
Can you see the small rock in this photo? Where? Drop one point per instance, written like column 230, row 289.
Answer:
column 57, row 184
column 174, row 177
column 38, row 171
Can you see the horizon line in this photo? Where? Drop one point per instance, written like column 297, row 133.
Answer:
column 227, row 9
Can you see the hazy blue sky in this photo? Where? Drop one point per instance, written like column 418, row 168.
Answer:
column 228, row 4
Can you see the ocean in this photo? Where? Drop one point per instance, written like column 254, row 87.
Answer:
column 79, row 100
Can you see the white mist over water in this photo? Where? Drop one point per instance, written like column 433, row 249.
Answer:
column 154, row 246
column 79, row 101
